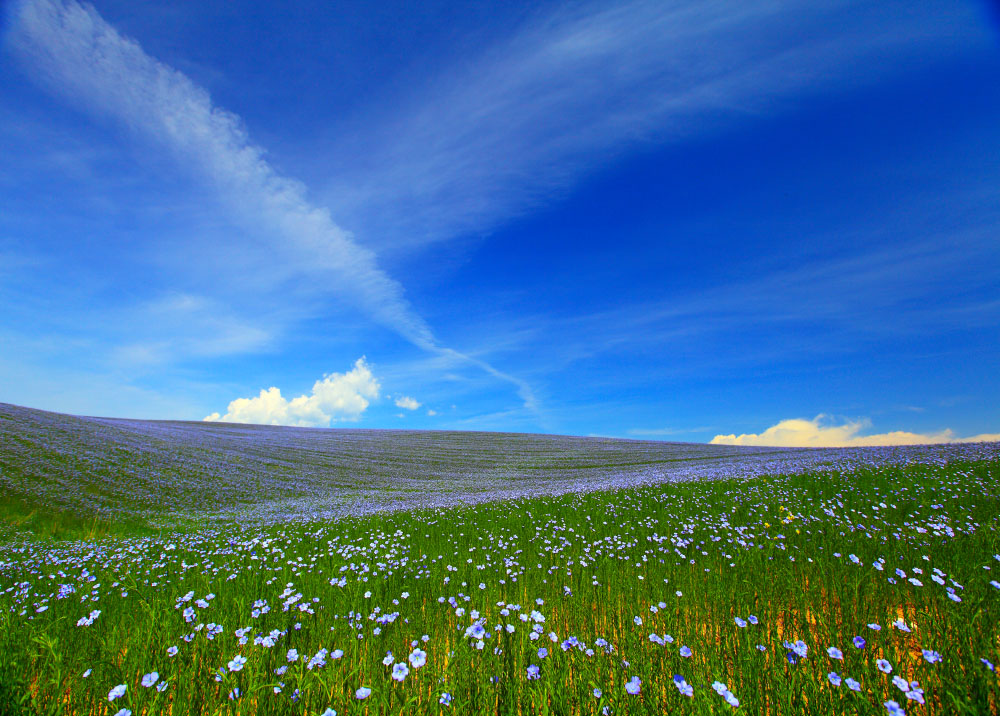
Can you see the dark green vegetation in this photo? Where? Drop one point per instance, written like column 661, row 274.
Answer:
column 740, row 583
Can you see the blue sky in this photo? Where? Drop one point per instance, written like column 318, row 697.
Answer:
column 777, row 222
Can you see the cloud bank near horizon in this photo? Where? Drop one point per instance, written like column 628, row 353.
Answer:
column 798, row 432
column 337, row 397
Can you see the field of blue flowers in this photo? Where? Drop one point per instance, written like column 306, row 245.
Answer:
column 262, row 570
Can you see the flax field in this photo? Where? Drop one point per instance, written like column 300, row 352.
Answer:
column 182, row 568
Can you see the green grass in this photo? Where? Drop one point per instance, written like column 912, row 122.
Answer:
column 617, row 553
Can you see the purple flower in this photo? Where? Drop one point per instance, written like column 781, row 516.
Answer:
column 859, row 642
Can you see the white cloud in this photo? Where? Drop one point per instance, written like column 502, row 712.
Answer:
column 71, row 49
column 798, row 432
column 431, row 412
column 407, row 403
column 522, row 120
column 338, row 396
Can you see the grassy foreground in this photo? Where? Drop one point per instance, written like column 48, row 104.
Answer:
column 861, row 591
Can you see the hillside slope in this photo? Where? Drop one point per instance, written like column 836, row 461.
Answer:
column 163, row 471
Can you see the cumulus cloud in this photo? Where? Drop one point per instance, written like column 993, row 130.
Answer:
column 407, row 403
column 798, row 432
column 338, row 396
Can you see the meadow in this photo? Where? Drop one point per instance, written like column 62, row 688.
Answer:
column 183, row 568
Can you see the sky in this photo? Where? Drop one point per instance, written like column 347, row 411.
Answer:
column 741, row 222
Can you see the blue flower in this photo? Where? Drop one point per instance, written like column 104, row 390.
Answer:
column 835, row 653
column 859, row 642
column 399, row 672
column 533, row 672
column 633, row 686
column 884, row 666
column 834, row 678
column 150, row 679
column 931, row 656
column 894, row 709
column 117, row 692
column 363, row 693
column 686, row 651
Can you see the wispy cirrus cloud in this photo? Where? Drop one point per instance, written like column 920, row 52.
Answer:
column 798, row 432
column 72, row 50
column 847, row 302
column 572, row 90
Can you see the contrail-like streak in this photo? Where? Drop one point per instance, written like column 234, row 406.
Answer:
column 72, row 50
